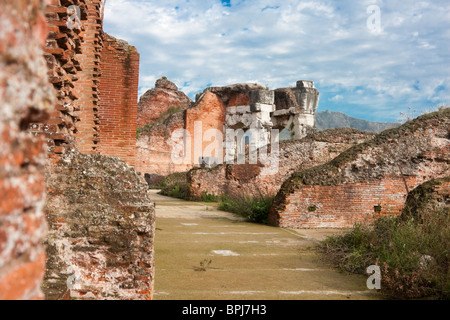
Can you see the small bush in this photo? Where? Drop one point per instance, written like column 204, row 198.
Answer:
column 175, row 185
column 180, row 192
column 206, row 197
column 414, row 257
column 254, row 208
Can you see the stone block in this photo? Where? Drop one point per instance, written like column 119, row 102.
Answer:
column 262, row 97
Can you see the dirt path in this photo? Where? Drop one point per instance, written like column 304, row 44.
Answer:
column 203, row 253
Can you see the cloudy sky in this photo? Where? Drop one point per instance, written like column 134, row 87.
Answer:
column 371, row 59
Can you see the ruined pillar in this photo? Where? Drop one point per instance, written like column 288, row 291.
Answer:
column 307, row 97
column 295, row 108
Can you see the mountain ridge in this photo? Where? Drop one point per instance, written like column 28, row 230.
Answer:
column 334, row 119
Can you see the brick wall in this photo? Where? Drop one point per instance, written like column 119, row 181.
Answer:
column 344, row 205
column 62, row 50
column 208, row 113
column 87, row 86
column 55, row 95
column 25, row 97
column 378, row 172
column 155, row 147
column 155, row 102
column 119, row 95
column 298, row 155
column 74, row 59
column 154, row 150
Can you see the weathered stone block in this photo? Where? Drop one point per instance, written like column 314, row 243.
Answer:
column 102, row 225
column 262, row 97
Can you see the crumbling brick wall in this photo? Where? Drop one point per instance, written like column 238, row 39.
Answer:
column 429, row 197
column 101, row 234
column 315, row 149
column 119, row 94
column 208, row 114
column 157, row 101
column 217, row 111
column 109, row 249
column 107, row 252
column 74, row 57
column 25, row 97
column 369, row 180
column 155, row 147
column 62, row 50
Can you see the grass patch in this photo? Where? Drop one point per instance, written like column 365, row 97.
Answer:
column 254, row 208
column 206, row 197
column 414, row 257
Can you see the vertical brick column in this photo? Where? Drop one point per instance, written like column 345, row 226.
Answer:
column 119, row 96
column 87, row 134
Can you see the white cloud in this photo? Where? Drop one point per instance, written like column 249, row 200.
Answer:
column 337, row 97
column 273, row 42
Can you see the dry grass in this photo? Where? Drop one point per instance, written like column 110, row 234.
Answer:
column 414, row 257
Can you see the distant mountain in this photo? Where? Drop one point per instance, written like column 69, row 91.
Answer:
column 331, row 120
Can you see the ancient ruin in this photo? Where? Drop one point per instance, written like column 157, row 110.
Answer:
column 157, row 101
column 236, row 107
column 79, row 92
column 25, row 96
column 297, row 155
column 369, row 180
column 76, row 219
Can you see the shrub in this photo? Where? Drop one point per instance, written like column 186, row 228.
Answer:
column 414, row 257
column 180, row 192
column 206, row 197
column 175, row 185
column 254, row 208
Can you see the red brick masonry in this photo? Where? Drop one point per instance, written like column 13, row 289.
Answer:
column 379, row 172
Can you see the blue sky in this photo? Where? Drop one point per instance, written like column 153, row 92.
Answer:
column 370, row 71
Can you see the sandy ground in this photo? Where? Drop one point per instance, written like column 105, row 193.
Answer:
column 203, row 253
